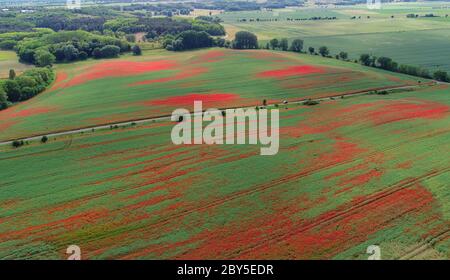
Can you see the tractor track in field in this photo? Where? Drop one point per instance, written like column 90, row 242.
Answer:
column 346, row 212
column 380, row 195
column 65, row 146
column 168, row 117
column 262, row 187
column 336, row 217
column 278, row 181
column 342, row 214
column 375, row 197
column 425, row 245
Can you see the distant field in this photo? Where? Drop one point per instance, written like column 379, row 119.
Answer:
column 423, row 48
column 203, row 12
column 97, row 92
column 350, row 173
column 419, row 41
column 7, row 55
column 9, row 60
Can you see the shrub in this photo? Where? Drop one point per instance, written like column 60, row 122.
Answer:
column 441, row 76
column 17, row 143
column 177, row 45
column 44, row 139
column 220, row 42
column 387, row 63
column 12, row 74
column 110, row 51
column 192, row 40
column 3, row 99
column 83, row 55
column 310, row 102
column 12, row 90
column 284, row 44
column 26, row 55
column 213, row 29
column 343, row 55
column 7, row 45
column 245, row 40
column 70, row 52
column 297, row 45
column 324, row 51
column 27, row 85
column 44, row 58
column 97, row 53
column 365, row 59
column 167, row 42
column 136, row 50
column 274, row 44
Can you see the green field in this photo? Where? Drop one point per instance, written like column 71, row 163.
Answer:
column 9, row 60
column 350, row 173
column 420, row 41
column 97, row 92
column 364, row 162
column 7, row 55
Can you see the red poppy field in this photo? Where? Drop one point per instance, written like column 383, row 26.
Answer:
column 99, row 92
column 350, row 173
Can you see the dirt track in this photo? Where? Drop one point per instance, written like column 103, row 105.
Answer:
column 168, row 117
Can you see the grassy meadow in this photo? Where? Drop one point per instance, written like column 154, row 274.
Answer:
column 9, row 60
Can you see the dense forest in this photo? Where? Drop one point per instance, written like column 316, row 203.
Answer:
column 48, row 36
column 43, row 47
column 99, row 19
column 164, row 8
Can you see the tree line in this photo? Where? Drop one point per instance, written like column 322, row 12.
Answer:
column 248, row 40
column 185, row 7
column 199, row 39
column 160, row 26
column 25, row 86
column 389, row 64
column 240, row 5
column 103, row 20
column 287, row 19
column 382, row 62
column 101, row 33
column 46, row 47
